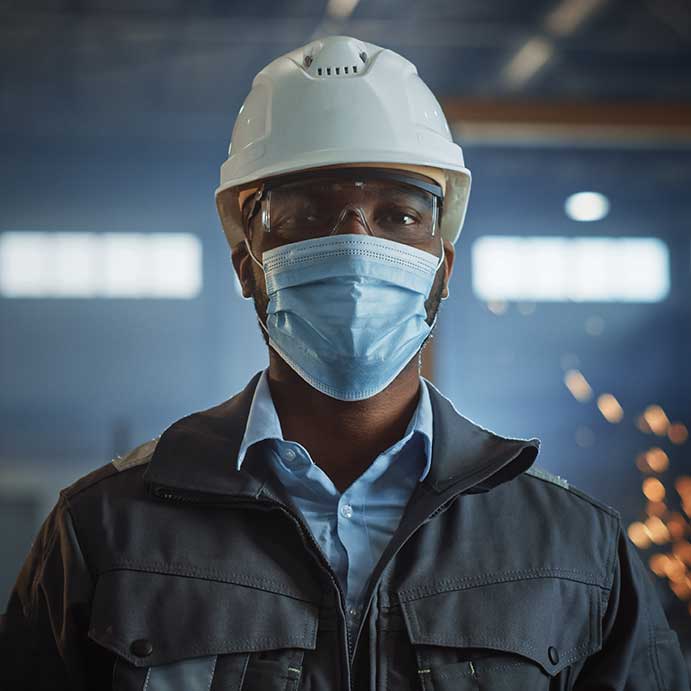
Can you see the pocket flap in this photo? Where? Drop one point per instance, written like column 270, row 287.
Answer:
column 155, row 618
column 552, row 621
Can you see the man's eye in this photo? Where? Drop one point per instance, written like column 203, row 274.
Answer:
column 401, row 218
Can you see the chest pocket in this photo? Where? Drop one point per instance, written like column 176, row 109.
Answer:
column 177, row 633
column 502, row 636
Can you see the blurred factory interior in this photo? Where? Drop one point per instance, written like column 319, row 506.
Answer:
column 570, row 309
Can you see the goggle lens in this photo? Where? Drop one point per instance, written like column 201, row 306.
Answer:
column 316, row 207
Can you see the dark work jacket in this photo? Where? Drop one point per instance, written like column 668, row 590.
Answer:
column 168, row 569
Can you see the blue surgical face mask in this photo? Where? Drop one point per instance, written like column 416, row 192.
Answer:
column 347, row 312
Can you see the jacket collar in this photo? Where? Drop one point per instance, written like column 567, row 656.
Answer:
column 198, row 451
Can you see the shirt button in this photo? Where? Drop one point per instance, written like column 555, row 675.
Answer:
column 289, row 455
column 553, row 655
column 347, row 510
column 353, row 611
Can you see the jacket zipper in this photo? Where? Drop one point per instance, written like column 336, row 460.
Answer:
column 440, row 509
column 171, row 494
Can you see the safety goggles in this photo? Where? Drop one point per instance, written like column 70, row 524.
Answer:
column 388, row 204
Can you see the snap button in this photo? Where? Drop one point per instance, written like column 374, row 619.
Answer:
column 142, row 647
column 553, row 654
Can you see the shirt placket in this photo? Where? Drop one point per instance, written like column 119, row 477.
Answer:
column 346, row 528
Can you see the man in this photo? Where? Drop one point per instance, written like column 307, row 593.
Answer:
column 337, row 524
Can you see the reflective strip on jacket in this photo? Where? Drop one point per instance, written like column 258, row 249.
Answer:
column 168, row 569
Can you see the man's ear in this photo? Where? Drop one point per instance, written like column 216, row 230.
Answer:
column 225, row 202
column 242, row 263
column 449, row 257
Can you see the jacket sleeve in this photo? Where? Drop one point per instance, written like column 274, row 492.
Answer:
column 640, row 651
column 43, row 632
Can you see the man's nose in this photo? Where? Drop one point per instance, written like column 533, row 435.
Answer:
column 352, row 220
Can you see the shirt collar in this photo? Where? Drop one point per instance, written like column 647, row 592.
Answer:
column 192, row 453
column 263, row 422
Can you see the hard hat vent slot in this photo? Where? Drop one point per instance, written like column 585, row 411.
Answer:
column 336, row 71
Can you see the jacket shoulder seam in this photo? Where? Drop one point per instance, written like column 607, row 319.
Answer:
column 138, row 456
column 605, row 508
column 542, row 474
column 545, row 476
column 88, row 480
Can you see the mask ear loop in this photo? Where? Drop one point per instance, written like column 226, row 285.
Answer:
column 261, row 266
column 258, row 200
column 436, row 316
column 448, row 292
column 249, row 251
column 441, row 240
column 254, row 259
column 439, row 263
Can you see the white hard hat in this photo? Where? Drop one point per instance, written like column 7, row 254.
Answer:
column 340, row 101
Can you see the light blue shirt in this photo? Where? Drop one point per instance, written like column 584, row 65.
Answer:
column 354, row 527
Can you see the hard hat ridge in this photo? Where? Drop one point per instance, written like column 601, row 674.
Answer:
column 339, row 56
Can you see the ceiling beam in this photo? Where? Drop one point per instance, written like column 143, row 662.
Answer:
column 599, row 124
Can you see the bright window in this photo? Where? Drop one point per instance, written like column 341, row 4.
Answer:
column 100, row 265
column 597, row 269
